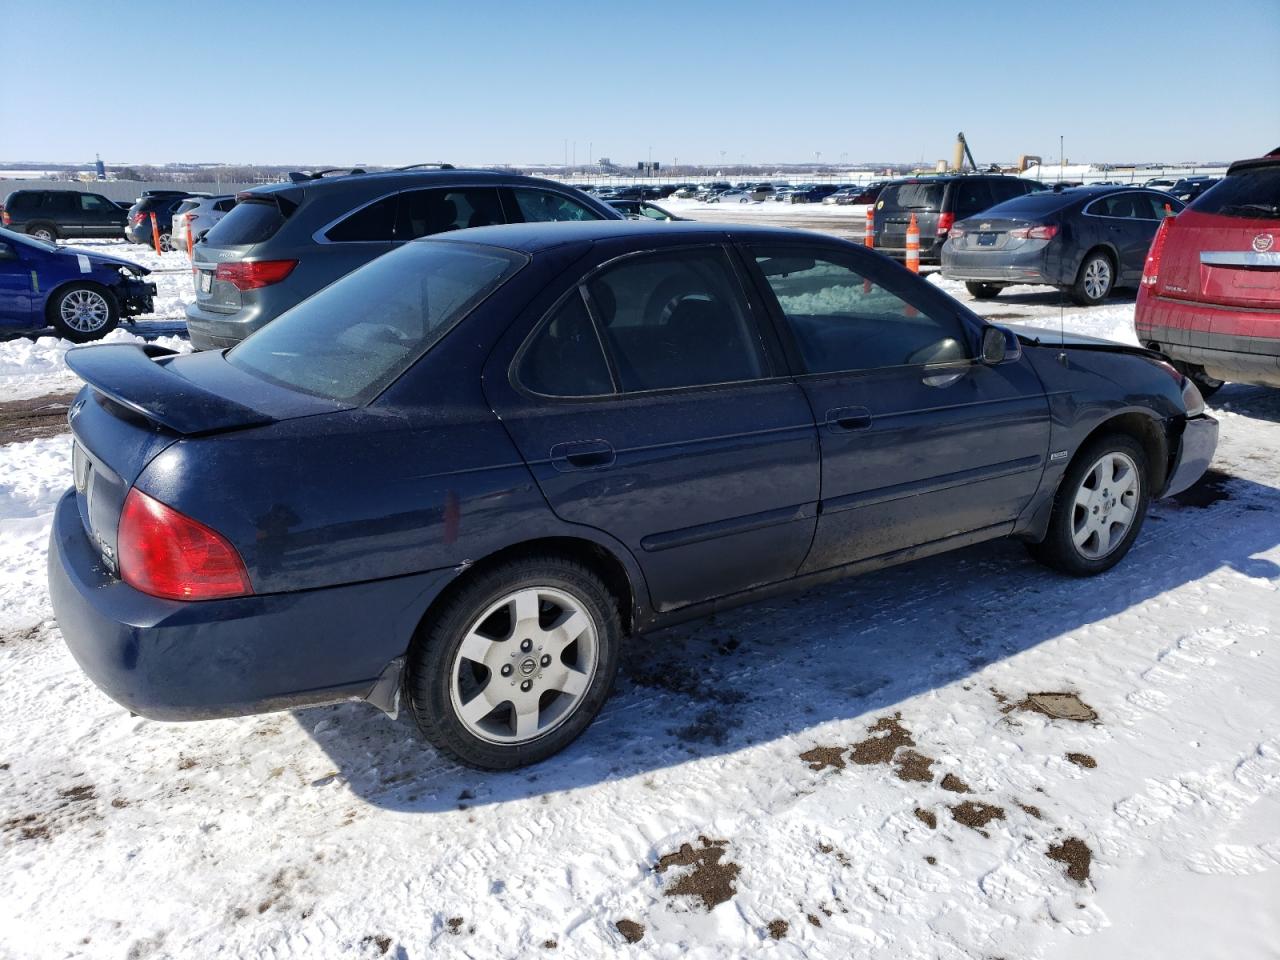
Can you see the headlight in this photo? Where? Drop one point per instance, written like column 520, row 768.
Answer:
column 1191, row 398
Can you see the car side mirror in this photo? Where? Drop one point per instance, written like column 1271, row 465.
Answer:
column 999, row 345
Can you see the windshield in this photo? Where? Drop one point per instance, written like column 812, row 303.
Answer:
column 22, row 239
column 1249, row 194
column 355, row 337
column 912, row 196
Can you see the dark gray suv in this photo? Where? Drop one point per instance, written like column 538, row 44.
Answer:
column 283, row 242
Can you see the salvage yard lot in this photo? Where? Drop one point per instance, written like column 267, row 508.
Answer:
column 963, row 757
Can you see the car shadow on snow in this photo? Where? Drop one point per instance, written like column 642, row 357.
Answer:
column 777, row 668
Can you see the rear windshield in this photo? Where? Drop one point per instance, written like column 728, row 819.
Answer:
column 1252, row 194
column 249, row 221
column 912, row 196
column 356, row 336
column 1036, row 204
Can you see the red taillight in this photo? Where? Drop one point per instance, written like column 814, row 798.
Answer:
column 250, row 274
column 945, row 222
column 6, row 218
column 167, row 554
column 1034, row 233
column 1151, row 269
column 138, row 217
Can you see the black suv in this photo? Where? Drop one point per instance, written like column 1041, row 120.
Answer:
column 162, row 203
column 938, row 202
column 62, row 214
column 283, row 242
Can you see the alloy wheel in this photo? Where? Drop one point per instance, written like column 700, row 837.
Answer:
column 524, row 666
column 85, row 311
column 1106, row 505
column 1097, row 278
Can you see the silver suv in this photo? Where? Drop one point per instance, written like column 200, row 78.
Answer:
column 283, row 242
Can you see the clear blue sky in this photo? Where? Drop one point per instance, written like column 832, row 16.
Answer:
column 482, row 82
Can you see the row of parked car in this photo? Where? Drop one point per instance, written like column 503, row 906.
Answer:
column 53, row 214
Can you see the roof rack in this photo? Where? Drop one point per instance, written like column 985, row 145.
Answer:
column 297, row 176
column 415, row 166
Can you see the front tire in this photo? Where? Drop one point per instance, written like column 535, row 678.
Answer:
column 983, row 291
column 81, row 312
column 1095, row 280
column 1099, row 508
column 515, row 666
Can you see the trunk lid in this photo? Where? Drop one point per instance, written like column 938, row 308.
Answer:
column 139, row 400
column 983, row 235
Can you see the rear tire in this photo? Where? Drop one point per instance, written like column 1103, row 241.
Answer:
column 515, row 666
column 1095, row 280
column 43, row 231
column 1099, row 507
column 81, row 312
column 983, row 291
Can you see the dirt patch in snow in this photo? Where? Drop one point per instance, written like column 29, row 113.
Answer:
column 927, row 817
column 820, row 758
column 1082, row 760
column 631, row 931
column 976, row 815
column 1075, row 853
column 710, row 878
column 381, row 941
column 839, row 854
column 1211, row 488
column 1031, row 810
column 778, row 929
column 914, row 767
column 887, row 735
column 34, row 418
column 955, row 784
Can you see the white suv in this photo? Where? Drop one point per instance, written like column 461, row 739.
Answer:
column 199, row 214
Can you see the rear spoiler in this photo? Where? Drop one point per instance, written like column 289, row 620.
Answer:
column 135, row 377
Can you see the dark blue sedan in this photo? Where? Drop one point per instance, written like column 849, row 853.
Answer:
column 464, row 475
column 82, row 294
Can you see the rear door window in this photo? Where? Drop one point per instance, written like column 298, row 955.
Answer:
column 250, row 221
column 565, row 357
column 1250, row 193
column 676, row 319
column 1152, row 206
column 1119, row 206
column 373, row 223
column 970, row 196
column 422, row 213
column 541, row 206
column 56, row 202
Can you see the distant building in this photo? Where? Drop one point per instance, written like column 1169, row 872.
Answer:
column 99, row 168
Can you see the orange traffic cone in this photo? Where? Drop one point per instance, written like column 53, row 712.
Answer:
column 869, row 235
column 155, row 234
column 913, row 245
column 191, row 239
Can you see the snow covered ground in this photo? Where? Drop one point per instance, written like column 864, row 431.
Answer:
column 869, row 764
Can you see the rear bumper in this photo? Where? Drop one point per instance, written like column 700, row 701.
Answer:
column 1195, row 451
column 170, row 660
column 216, row 331
column 997, row 266
column 1210, row 337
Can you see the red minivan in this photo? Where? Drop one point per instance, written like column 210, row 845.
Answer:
column 1210, row 292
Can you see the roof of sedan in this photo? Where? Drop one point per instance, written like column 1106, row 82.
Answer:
column 536, row 237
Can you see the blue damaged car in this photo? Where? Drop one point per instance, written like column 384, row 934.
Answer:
column 82, row 294
column 463, row 476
